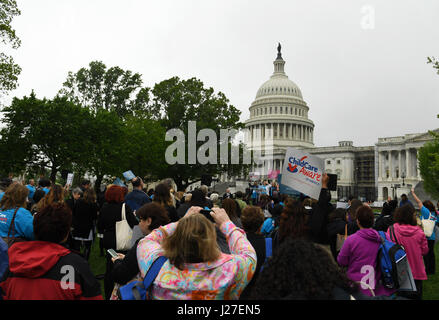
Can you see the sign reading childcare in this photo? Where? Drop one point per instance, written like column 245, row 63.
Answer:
column 303, row 172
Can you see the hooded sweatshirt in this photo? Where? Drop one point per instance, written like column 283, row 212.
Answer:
column 413, row 239
column 40, row 270
column 359, row 254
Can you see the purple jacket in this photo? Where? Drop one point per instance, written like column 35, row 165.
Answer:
column 359, row 254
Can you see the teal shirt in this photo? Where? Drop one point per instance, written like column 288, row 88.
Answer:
column 425, row 213
column 24, row 223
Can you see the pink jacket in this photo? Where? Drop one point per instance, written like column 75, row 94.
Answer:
column 223, row 279
column 413, row 239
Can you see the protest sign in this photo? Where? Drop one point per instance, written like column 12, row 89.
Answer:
column 69, row 179
column 129, row 175
column 283, row 189
column 119, row 183
column 303, row 172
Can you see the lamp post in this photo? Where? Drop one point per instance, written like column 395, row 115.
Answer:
column 403, row 177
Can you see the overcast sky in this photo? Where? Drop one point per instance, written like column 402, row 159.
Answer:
column 359, row 83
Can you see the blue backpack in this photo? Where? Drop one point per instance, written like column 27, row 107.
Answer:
column 4, row 259
column 140, row 290
column 392, row 260
column 268, row 251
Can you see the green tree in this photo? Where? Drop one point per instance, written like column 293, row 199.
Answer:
column 104, row 142
column 44, row 133
column 434, row 62
column 176, row 102
column 113, row 89
column 145, row 148
column 9, row 70
column 429, row 166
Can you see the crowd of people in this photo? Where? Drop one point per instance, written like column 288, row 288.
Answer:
column 258, row 244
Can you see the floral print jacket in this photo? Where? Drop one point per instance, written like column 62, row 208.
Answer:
column 223, row 279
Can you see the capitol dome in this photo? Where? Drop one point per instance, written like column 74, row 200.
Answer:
column 279, row 85
column 279, row 117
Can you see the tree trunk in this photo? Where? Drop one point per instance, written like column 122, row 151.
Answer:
column 98, row 182
column 53, row 174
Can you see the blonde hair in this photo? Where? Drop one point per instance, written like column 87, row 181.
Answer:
column 193, row 241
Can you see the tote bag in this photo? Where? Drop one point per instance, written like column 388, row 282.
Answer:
column 124, row 233
column 428, row 226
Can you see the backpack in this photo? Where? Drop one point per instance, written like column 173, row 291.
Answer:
column 268, row 252
column 4, row 258
column 140, row 290
column 392, row 261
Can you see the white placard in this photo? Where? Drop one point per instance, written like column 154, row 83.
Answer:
column 303, row 172
column 70, row 179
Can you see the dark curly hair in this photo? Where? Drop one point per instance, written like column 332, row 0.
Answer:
column 405, row 215
column 308, row 272
column 154, row 211
column 53, row 222
column 293, row 221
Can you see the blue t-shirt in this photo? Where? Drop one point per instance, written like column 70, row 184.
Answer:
column 31, row 192
column 24, row 223
column 46, row 190
column 1, row 195
column 425, row 213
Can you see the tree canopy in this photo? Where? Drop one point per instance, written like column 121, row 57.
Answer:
column 9, row 70
column 112, row 89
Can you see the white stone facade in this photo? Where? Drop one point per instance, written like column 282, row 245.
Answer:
column 396, row 157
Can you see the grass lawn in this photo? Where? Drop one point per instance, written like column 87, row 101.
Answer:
column 430, row 286
column 97, row 263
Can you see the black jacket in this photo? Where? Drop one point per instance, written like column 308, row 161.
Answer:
column 334, row 228
column 172, row 213
column 221, row 238
column 83, row 216
column 182, row 209
column 126, row 269
column 318, row 219
column 383, row 222
column 258, row 243
column 109, row 214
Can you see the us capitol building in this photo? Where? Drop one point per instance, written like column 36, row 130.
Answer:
column 279, row 119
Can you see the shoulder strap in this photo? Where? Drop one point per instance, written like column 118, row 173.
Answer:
column 268, row 248
column 123, row 211
column 12, row 226
column 382, row 236
column 153, row 271
column 392, row 234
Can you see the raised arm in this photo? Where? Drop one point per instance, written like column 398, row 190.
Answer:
column 244, row 255
column 418, row 201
